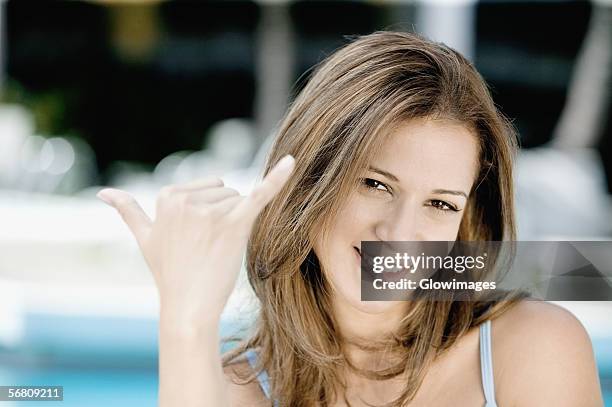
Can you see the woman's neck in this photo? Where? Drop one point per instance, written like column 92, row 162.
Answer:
column 358, row 326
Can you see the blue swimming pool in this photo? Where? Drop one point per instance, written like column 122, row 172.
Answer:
column 95, row 387
column 115, row 387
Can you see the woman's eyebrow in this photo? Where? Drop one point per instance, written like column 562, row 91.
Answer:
column 435, row 191
column 385, row 173
column 449, row 192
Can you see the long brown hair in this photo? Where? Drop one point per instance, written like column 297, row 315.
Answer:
column 338, row 121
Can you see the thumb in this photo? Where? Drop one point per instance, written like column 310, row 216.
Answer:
column 250, row 207
column 131, row 212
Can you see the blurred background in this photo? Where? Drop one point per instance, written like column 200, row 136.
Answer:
column 139, row 94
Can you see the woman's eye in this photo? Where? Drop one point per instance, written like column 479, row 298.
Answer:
column 371, row 183
column 443, row 206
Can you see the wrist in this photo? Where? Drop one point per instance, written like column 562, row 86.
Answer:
column 186, row 323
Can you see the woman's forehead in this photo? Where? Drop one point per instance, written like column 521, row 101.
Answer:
column 432, row 149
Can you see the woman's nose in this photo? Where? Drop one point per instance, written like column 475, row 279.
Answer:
column 401, row 224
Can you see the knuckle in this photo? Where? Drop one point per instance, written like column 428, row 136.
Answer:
column 164, row 194
column 182, row 200
column 213, row 212
column 194, row 199
column 170, row 199
column 124, row 202
column 189, row 199
column 166, row 191
column 217, row 180
column 258, row 196
column 232, row 191
column 234, row 220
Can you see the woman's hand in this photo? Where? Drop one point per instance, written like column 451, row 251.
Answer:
column 195, row 245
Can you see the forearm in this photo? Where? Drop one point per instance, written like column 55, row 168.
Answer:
column 190, row 371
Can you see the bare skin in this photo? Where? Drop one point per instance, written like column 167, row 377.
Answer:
column 541, row 356
column 194, row 249
column 541, row 353
column 533, row 343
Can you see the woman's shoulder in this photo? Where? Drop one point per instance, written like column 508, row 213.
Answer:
column 543, row 354
column 243, row 395
column 540, row 316
column 540, row 329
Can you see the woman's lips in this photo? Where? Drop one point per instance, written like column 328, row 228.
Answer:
column 367, row 276
column 392, row 275
column 359, row 258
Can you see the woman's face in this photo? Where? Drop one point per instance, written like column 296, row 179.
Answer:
column 416, row 189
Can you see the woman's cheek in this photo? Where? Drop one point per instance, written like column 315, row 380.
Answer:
column 446, row 232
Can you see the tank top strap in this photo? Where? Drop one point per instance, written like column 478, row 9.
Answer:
column 486, row 367
column 486, row 364
column 262, row 377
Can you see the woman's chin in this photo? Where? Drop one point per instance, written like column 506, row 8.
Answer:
column 351, row 293
column 374, row 307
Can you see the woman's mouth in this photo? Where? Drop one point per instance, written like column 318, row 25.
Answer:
column 365, row 269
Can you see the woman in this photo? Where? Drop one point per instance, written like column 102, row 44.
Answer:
column 394, row 138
